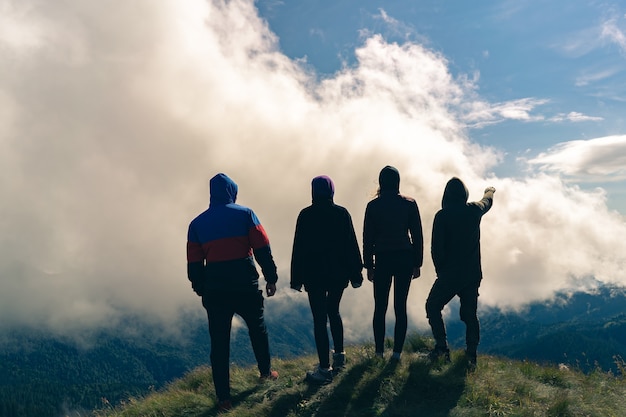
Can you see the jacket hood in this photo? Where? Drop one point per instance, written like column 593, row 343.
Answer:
column 455, row 193
column 389, row 180
column 223, row 190
column 322, row 188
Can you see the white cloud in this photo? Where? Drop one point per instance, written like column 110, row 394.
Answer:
column 598, row 160
column 111, row 127
column 480, row 113
column 615, row 34
column 574, row 117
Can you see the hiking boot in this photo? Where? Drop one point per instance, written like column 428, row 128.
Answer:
column 320, row 376
column 339, row 361
column 224, row 406
column 438, row 353
column 271, row 376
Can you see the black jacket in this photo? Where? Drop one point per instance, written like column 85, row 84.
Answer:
column 455, row 245
column 325, row 250
column 392, row 223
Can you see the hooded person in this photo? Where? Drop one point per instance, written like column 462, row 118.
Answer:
column 222, row 245
column 325, row 258
column 455, row 250
column 393, row 251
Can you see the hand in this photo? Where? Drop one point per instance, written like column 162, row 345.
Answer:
column 270, row 289
column 356, row 284
column 370, row 275
column 294, row 286
column 492, row 189
column 416, row 272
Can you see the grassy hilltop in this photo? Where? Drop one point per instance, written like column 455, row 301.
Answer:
column 370, row 386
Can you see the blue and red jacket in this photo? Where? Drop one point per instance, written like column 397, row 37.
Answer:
column 222, row 240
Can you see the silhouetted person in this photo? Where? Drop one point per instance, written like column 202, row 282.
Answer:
column 393, row 247
column 220, row 245
column 456, row 254
column 325, row 258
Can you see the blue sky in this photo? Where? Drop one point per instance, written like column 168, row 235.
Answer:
column 114, row 115
column 555, row 70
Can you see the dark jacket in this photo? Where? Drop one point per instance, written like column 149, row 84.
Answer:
column 455, row 245
column 392, row 222
column 325, row 250
column 222, row 240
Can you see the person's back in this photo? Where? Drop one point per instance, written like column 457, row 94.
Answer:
column 329, row 255
column 456, row 233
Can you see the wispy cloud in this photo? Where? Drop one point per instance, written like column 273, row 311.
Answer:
column 615, row 34
column 481, row 113
column 595, row 160
column 574, row 117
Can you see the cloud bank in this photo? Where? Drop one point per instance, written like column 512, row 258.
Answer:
column 113, row 116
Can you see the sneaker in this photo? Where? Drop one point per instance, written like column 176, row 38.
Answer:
column 271, row 376
column 379, row 355
column 224, row 406
column 396, row 356
column 320, row 376
column 438, row 353
column 339, row 361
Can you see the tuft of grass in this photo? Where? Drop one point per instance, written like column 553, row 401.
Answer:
column 374, row 387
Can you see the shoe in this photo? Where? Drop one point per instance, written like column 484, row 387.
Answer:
column 339, row 361
column 438, row 353
column 271, row 376
column 472, row 359
column 396, row 356
column 320, row 376
column 379, row 355
column 224, row 406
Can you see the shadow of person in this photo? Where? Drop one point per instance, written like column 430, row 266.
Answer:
column 287, row 403
column 430, row 389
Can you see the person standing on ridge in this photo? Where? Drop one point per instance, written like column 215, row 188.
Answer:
column 221, row 243
column 325, row 258
column 393, row 248
column 455, row 249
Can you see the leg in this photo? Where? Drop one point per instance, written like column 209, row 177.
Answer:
column 401, row 287
column 382, row 286
column 440, row 295
column 250, row 308
column 220, row 314
column 318, row 303
column 334, row 318
column 469, row 306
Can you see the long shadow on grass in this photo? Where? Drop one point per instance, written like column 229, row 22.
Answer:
column 430, row 390
column 289, row 402
column 338, row 402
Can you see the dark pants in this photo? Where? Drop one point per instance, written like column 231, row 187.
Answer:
column 440, row 294
column 325, row 305
column 399, row 266
column 221, row 306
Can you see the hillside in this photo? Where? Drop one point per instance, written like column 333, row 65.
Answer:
column 414, row 387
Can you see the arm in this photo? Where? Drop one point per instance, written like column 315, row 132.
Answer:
column 486, row 202
column 296, row 257
column 437, row 248
column 353, row 255
column 368, row 240
column 195, row 262
column 417, row 239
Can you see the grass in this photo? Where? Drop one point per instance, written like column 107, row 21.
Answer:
column 371, row 386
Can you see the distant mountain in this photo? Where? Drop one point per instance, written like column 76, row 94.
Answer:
column 583, row 330
column 42, row 375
